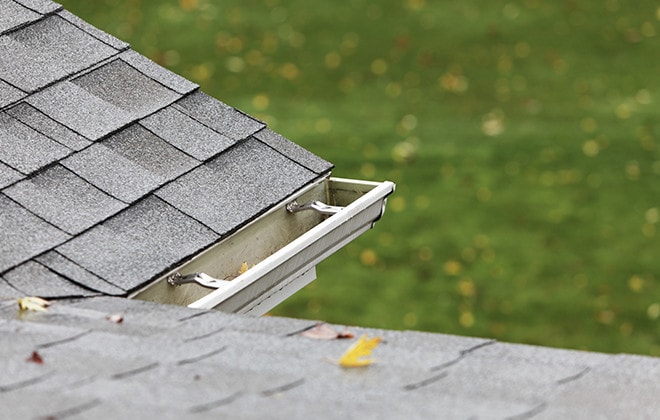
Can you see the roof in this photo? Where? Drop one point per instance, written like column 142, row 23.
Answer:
column 184, row 363
column 113, row 170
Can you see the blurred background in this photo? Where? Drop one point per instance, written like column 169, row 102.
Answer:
column 523, row 136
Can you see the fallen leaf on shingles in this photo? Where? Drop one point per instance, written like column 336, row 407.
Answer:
column 35, row 358
column 322, row 331
column 345, row 334
column 357, row 355
column 244, row 268
column 32, row 303
column 116, row 318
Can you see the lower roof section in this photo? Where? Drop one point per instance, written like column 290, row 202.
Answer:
column 182, row 362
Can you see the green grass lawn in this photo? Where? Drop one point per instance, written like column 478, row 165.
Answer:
column 522, row 136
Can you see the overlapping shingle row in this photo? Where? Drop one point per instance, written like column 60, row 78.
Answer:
column 186, row 363
column 114, row 169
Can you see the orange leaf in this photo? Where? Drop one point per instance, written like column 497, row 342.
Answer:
column 357, row 355
column 35, row 358
column 345, row 334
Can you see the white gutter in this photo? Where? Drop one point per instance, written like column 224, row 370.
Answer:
column 278, row 275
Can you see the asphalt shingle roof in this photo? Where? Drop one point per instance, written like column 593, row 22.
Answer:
column 250, row 174
column 60, row 50
column 14, row 15
column 182, row 131
column 97, row 147
column 24, row 235
column 186, row 363
column 52, row 194
column 8, row 175
column 138, row 243
column 112, row 171
column 9, row 94
column 30, row 150
column 46, row 126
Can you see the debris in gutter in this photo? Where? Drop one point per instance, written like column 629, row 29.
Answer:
column 203, row 279
column 322, row 331
column 33, row 303
column 357, row 355
column 244, row 268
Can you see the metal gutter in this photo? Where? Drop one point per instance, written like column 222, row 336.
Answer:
column 282, row 248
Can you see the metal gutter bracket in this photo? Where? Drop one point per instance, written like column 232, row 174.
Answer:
column 318, row 206
column 201, row 279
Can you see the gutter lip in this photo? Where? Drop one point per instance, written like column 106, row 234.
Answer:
column 379, row 193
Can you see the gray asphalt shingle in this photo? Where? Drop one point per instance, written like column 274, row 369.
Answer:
column 46, row 51
column 15, row 15
column 158, row 73
column 53, row 193
column 236, row 186
column 8, row 175
column 103, row 100
column 9, row 94
column 32, row 117
column 25, row 149
column 34, row 279
column 7, row 291
column 67, row 268
column 41, row 6
column 79, row 110
column 187, row 134
column 138, row 243
column 125, row 87
column 130, row 164
column 24, row 234
column 293, row 151
column 92, row 30
column 219, row 116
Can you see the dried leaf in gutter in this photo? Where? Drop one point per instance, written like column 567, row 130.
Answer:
column 35, row 357
column 322, row 331
column 32, row 303
column 244, row 268
column 357, row 355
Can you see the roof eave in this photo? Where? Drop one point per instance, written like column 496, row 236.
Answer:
column 276, row 276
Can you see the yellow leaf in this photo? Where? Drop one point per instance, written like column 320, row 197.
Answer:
column 188, row 5
column 244, row 268
column 33, row 303
column 357, row 354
